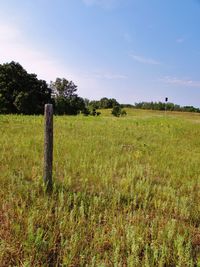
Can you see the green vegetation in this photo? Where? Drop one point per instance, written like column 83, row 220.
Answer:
column 162, row 106
column 117, row 111
column 23, row 93
column 65, row 99
column 103, row 103
column 126, row 191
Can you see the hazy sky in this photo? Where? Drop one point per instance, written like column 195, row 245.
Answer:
column 131, row 50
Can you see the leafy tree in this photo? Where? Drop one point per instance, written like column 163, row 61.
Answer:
column 21, row 92
column 108, row 102
column 116, row 111
column 161, row 106
column 113, row 102
column 103, row 103
column 63, row 88
column 93, row 112
column 65, row 97
column 94, row 104
column 86, row 111
column 123, row 112
column 87, row 102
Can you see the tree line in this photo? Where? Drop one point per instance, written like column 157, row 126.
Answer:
column 24, row 93
column 162, row 106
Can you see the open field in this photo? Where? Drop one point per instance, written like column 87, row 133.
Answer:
column 127, row 191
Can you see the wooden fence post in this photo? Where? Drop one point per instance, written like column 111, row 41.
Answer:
column 48, row 147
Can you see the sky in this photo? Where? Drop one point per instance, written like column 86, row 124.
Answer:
column 131, row 50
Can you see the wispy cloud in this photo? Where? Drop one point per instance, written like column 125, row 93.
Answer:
column 144, row 60
column 180, row 82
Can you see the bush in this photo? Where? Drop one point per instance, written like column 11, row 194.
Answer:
column 93, row 112
column 86, row 112
column 123, row 112
column 116, row 111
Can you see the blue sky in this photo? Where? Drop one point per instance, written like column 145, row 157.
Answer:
column 131, row 50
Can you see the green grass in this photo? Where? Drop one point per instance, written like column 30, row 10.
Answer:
column 126, row 191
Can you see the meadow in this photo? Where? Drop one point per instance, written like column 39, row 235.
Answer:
column 126, row 191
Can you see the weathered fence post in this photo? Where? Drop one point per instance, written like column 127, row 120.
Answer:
column 48, row 147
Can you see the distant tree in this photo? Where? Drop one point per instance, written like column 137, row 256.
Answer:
column 104, row 102
column 123, row 112
column 63, row 88
column 113, row 102
column 116, row 111
column 21, row 92
column 65, row 97
column 107, row 102
column 93, row 112
column 87, row 102
column 161, row 106
column 94, row 104
column 85, row 111
column 127, row 106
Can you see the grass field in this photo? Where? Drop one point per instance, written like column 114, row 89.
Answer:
column 126, row 191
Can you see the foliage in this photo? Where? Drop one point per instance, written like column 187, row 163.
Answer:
column 65, row 97
column 163, row 106
column 91, row 111
column 86, row 111
column 21, row 92
column 118, row 111
column 63, row 88
column 103, row 103
column 115, row 203
column 123, row 112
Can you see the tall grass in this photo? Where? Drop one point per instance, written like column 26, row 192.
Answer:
column 126, row 191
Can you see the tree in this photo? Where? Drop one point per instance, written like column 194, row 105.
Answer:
column 65, row 97
column 123, row 112
column 116, row 111
column 94, row 104
column 21, row 92
column 107, row 102
column 93, row 112
column 63, row 88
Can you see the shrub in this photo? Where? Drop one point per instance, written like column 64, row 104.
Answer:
column 123, row 112
column 116, row 111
